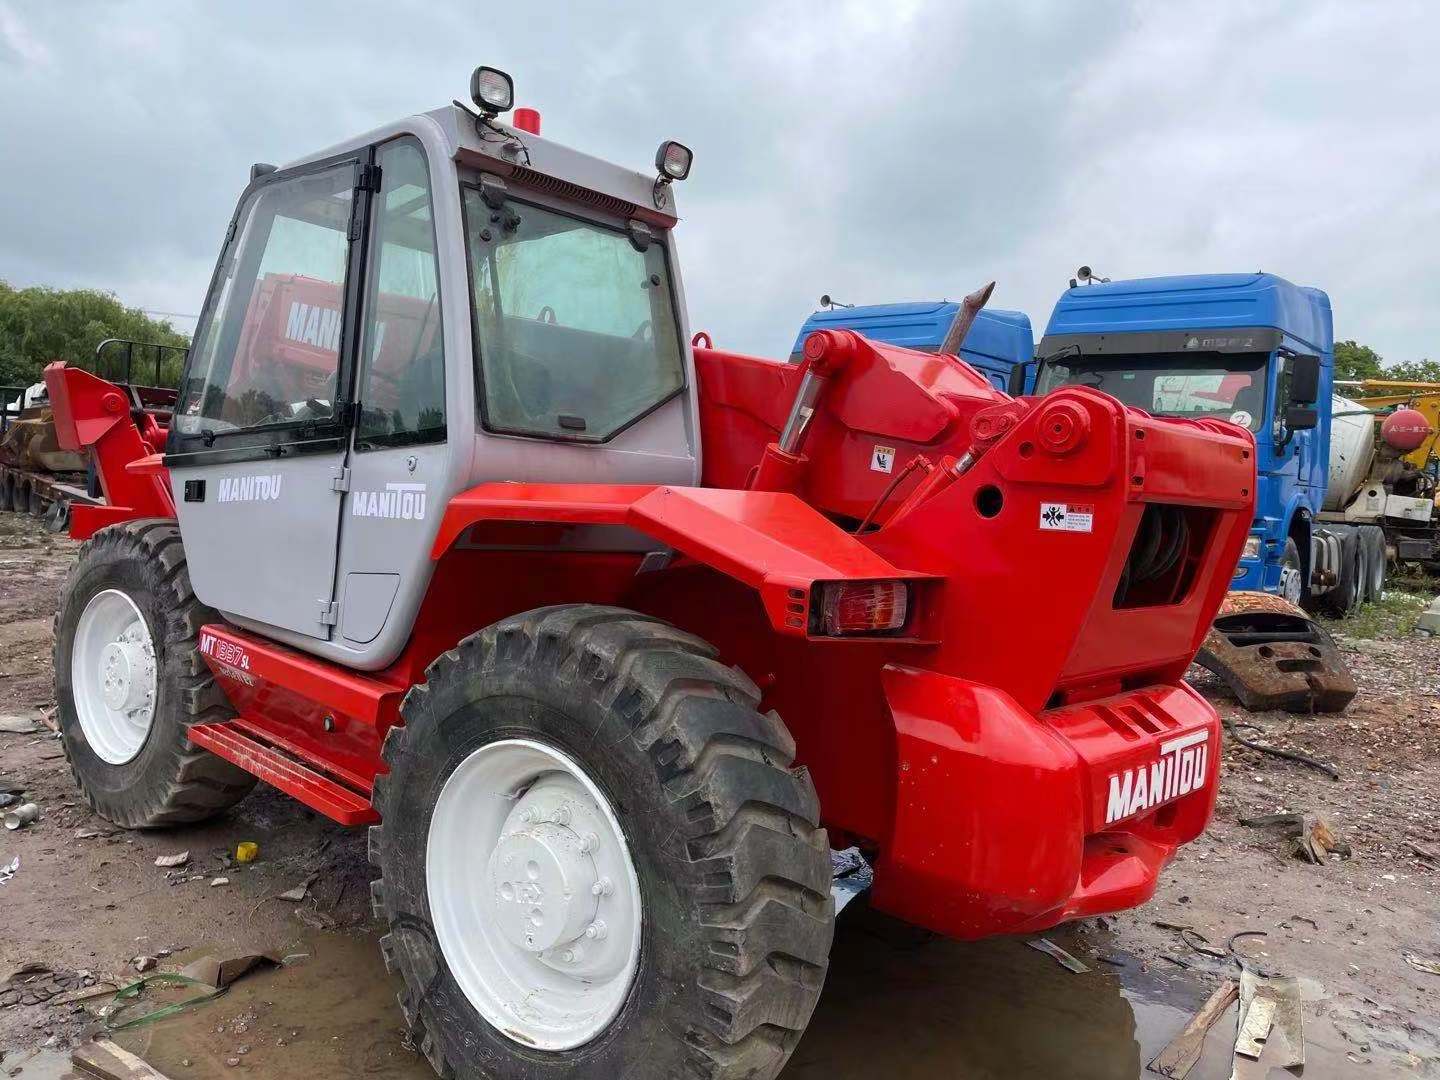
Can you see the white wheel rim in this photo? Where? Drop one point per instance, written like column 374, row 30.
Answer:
column 1290, row 584
column 112, row 675
column 533, row 894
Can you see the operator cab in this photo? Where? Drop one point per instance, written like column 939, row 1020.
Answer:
column 445, row 301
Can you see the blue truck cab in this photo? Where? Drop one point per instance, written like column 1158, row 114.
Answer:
column 997, row 341
column 1250, row 348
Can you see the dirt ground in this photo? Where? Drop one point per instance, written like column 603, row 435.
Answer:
column 87, row 900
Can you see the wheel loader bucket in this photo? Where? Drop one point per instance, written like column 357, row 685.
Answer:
column 1273, row 656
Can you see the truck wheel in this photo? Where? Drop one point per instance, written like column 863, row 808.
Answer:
column 1292, row 573
column 1373, row 539
column 1341, row 601
column 596, row 859
column 130, row 682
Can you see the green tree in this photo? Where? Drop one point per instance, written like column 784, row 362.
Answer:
column 38, row 325
column 1356, row 361
column 1414, row 371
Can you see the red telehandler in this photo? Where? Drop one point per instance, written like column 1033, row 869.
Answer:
column 611, row 639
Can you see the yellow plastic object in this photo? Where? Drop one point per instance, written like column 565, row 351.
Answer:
column 246, row 851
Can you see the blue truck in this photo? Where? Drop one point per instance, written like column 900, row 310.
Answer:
column 1254, row 349
column 996, row 342
column 1257, row 350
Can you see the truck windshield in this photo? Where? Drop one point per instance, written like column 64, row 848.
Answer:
column 1230, row 386
column 575, row 327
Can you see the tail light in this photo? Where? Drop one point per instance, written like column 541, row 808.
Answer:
column 846, row 608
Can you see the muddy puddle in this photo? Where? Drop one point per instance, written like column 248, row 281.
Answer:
column 898, row 1003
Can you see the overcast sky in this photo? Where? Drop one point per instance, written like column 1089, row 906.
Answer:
column 875, row 151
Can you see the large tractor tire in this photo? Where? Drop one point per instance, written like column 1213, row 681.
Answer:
column 597, row 859
column 130, row 681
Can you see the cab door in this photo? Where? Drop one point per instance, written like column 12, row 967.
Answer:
column 259, row 439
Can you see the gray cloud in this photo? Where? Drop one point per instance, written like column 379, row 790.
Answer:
column 876, row 152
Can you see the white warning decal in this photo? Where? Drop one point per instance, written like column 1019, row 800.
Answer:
column 1067, row 517
column 882, row 459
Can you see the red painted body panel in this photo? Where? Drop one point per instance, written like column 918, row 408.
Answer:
column 1024, row 753
column 94, row 415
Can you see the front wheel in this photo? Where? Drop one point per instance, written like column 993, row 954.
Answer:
column 597, row 859
column 1292, row 573
column 130, row 682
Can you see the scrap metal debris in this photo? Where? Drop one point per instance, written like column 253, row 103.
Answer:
column 109, row 1061
column 1274, row 656
column 19, row 724
column 9, row 870
column 1419, row 963
column 25, row 814
column 1269, row 1007
column 1276, row 751
column 1063, row 958
column 180, row 858
column 1312, row 839
column 299, row 892
column 1183, row 1051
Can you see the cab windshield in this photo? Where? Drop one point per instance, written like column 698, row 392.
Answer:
column 1230, row 386
column 575, row 325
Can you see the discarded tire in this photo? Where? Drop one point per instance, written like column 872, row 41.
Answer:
column 129, row 681
column 606, row 733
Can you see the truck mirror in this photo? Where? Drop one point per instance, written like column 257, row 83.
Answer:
column 1301, row 417
column 1304, row 380
column 1016, row 385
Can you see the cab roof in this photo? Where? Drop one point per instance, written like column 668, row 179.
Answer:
column 537, row 163
column 1196, row 302
column 997, row 337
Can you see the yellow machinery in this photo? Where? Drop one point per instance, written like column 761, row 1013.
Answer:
column 1424, row 397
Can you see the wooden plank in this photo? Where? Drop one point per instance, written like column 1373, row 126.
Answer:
column 109, row 1061
column 1183, row 1053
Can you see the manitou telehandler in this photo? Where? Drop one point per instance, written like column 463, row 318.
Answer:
column 612, row 639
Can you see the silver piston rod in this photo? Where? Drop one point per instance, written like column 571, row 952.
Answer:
column 792, row 436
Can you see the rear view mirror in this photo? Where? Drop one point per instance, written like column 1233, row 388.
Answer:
column 1304, row 380
column 1301, row 417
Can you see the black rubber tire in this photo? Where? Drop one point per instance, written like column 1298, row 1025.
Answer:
column 171, row 781
column 1291, row 558
column 1373, row 540
column 734, row 869
column 1341, row 601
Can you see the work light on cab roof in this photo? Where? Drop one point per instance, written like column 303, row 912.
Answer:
column 492, row 90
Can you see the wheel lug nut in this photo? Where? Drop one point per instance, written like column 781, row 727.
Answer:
column 561, row 816
column 590, row 843
column 596, row 931
column 573, row 955
column 603, row 887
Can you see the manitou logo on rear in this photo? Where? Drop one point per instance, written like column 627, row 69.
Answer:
column 1180, row 770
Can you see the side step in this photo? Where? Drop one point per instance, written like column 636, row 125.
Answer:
column 279, row 769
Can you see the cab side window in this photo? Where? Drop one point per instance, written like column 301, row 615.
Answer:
column 268, row 351
column 402, row 389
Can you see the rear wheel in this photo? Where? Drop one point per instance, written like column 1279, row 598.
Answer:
column 1373, row 540
column 596, row 859
column 1345, row 597
column 130, row 682
column 1292, row 573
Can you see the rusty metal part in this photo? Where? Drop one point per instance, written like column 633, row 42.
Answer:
column 30, row 443
column 1273, row 656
